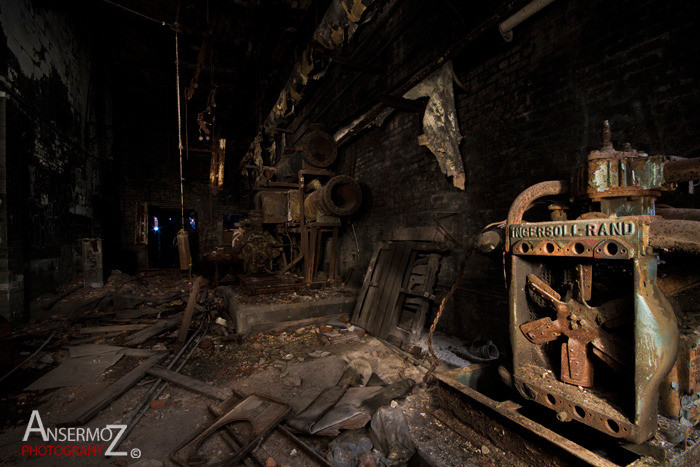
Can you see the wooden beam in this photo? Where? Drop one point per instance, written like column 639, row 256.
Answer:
column 114, row 328
column 187, row 382
column 189, row 312
column 84, row 412
column 145, row 334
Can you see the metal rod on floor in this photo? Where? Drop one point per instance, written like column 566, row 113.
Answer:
column 154, row 392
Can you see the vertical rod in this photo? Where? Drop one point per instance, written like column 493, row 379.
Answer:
column 179, row 127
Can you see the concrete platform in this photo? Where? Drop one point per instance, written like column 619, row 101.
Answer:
column 258, row 317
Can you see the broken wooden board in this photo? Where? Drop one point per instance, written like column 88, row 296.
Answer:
column 154, row 329
column 194, row 385
column 189, row 312
column 82, row 412
column 85, row 350
column 113, row 328
column 76, row 371
column 138, row 313
column 397, row 290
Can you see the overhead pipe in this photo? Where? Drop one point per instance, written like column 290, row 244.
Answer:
column 506, row 27
column 682, row 170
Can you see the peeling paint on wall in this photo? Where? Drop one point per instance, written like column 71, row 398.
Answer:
column 441, row 131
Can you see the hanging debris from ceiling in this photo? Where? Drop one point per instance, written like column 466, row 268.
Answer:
column 216, row 170
column 334, row 31
column 441, row 131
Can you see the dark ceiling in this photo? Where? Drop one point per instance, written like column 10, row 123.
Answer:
column 250, row 48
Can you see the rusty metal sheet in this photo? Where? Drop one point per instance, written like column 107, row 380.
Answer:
column 263, row 413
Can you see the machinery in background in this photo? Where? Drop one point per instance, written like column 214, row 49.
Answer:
column 594, row 337
column 296, row 218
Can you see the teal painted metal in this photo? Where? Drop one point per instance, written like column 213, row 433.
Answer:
column 558, row 266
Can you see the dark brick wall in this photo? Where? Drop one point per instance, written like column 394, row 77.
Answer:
column 56, row 149
column 530, row 111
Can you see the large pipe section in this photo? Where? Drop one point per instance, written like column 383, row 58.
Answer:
column 341, row 196
column 682, row 170
column 675, row 236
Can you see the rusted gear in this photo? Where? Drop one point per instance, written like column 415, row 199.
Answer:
column 581, row 325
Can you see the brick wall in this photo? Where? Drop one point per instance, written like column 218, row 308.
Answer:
column 530, row 111
column 55, row 151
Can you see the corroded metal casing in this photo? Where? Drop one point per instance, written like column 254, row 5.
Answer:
column 539, row 249
column 609, row 173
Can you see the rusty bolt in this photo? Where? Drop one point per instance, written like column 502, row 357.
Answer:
column 563, row 416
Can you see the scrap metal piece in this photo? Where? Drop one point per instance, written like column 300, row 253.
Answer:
column 263, row 413
column 357, row 406
column 358, row 373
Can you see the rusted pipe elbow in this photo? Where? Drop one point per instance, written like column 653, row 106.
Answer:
column 527, row 197
column 675, row 235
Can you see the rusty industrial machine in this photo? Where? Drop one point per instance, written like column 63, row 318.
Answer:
column 604, row 300
column 298, row 206
column 594, row 337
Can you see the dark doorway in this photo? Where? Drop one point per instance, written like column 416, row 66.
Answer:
column 163, row 226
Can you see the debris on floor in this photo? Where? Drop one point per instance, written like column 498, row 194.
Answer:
column 351, row 397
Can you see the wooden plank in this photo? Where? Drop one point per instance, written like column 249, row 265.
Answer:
column 357, row 313
column 113, row 328
column 134, row 314
column 145, row 334
column 431, row 278
column 401, row 275
column 84, row 412
column 189, row 312
column 390, row 281
column 374, row 296
column 194, row 385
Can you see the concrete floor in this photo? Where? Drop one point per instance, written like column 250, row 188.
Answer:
column 258, row 363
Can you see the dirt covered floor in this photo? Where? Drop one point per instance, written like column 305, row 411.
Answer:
column 293, row 365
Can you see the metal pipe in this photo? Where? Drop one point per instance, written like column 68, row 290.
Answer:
column 682, row 170
column 675, row 235
column 341, row 196
column 527, row 197
column 679, row 213
column 506, row 27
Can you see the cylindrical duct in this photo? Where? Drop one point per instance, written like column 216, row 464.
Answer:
column 341, row 196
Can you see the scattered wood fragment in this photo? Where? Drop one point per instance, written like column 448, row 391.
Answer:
column 61, row 296
column 84, row 412
column 194, row 385
column 134, row 314
column 89, row 340
column 113, row 328
column 189, row 312
column 152, row 330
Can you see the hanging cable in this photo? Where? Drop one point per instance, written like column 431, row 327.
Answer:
column 179, row 127
column 162, row 23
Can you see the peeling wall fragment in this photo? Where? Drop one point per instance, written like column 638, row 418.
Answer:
column 441, row 131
